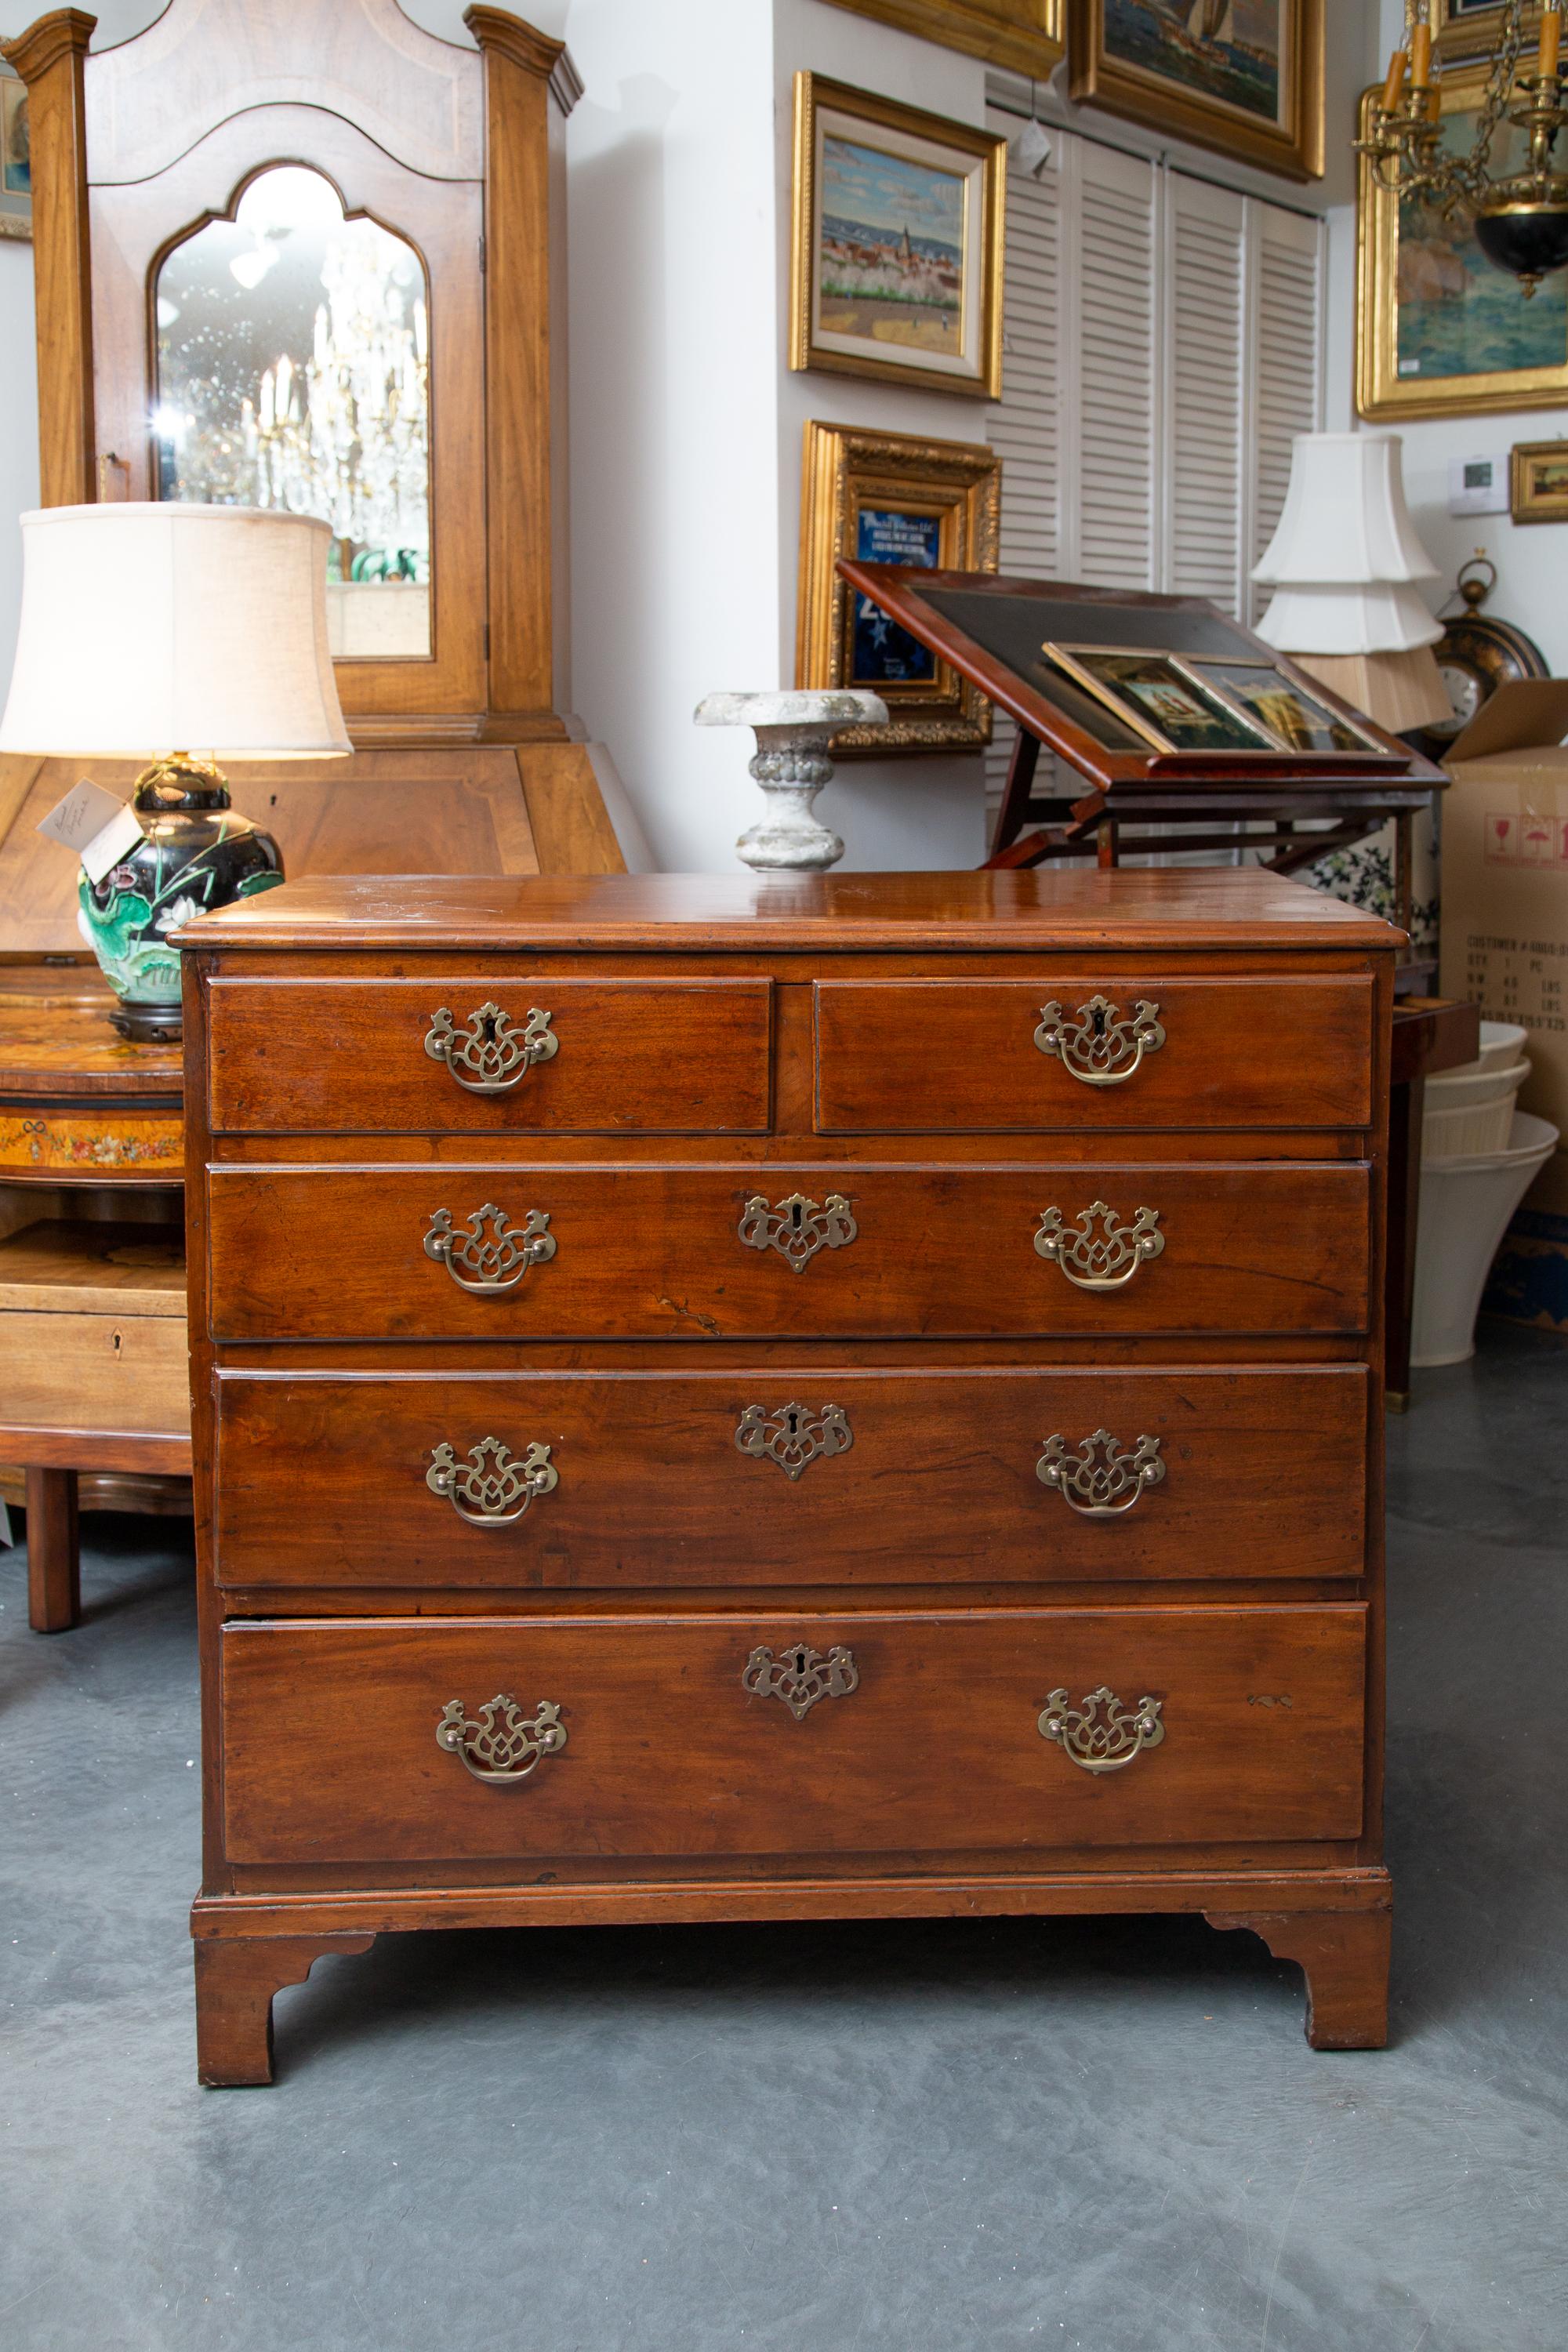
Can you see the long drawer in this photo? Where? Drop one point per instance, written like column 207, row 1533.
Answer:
column 787, row 1475
column 407, row 1741
column 464, row 1055
column 1097, row 1052
column 510, row 1252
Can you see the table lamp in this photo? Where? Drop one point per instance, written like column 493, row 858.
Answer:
column 146, row 627
column 1344, row 562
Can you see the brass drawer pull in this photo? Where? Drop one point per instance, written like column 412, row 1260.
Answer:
column 1102, row 1260
column 797, row 1228
column 495, row 1261
column 801, row 1676
column 1102, row 1736
column 492, row 1055
column 492, row 1488
column 794, row 1436
column 1101, row 1480
column 1099, row 1047
column 503, row 1747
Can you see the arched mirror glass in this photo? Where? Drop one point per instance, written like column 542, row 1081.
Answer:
column 293, row 372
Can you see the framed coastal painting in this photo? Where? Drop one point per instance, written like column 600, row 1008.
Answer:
column 1244, row 77
column 16, row 166
column 891, row 498
column 1440, row 331
column 1024, row 34
column 896, row 245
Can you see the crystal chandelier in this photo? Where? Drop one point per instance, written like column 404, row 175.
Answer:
column 1521, row 222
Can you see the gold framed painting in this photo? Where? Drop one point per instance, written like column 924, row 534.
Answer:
column 1540, row 484
column 896, row 261
column 1440, row 331
column 1243, row 76
column 1214, row 704
column 1026, row 35
column 16, row 160
column 1472, row 29
column 891, row 498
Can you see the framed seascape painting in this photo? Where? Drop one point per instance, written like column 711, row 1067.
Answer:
column 1440, row 331
column 1245, row 76
column 891, row 498
column 896, row 265
column 16, row 166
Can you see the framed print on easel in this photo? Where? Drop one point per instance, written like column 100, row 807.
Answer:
column 1244, row 77
column 1440, row 331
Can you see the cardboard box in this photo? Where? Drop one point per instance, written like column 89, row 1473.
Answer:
column 1505, row 947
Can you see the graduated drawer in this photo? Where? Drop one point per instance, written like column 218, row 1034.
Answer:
column 787, row 1475
column 561, row 1057
column 1100, row 1052
column 798, row 1734
column 696, row 1253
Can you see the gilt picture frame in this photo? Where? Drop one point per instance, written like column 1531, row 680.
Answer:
column 16, row 164
column 1242, row 77
column 897, row 244
column 1472, row 29
column 1439, row 330
column 1029, row 36
column 1540, row 481
column 891, row 498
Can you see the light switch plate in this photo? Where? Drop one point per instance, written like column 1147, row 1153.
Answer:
column 1478, row 486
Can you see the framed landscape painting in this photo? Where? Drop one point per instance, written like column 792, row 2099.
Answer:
column 1024, row 34
column 16, row 164
column 1440, row 331
column 1245, row 76
column 896, row 248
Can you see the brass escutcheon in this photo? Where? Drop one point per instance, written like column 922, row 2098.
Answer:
column 1098, row 1047
column 1102, row 1736
column 1104, row 1259
column 492, row 1055
column 797, row 1228
column 794, row 1436
column 1102, row 1479
column 502, row 1747
column 800, row 1676
column 492, row 1488
column 495, row 1260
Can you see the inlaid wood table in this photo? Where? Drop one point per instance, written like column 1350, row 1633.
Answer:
column 93, row 1373
column 821, row 1397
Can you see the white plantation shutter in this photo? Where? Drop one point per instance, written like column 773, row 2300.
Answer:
column 1204, row 468
column 1162, row 344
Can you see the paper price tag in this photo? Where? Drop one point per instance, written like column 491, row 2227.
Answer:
column 98, row 825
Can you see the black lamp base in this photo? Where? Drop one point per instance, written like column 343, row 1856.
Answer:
column 147, row 1024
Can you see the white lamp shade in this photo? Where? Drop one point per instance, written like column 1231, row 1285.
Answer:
column 1344, row 517
column 150, row 628
column 1391, row 617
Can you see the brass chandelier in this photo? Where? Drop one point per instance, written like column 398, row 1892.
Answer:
column 1521, row 221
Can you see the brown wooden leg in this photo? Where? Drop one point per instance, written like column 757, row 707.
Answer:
column 1406, row 1104
column 1345, row 1954
column 54, row 1551
column 236, row 1977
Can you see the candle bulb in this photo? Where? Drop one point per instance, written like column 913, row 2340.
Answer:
column 1551, row 39
column 1395, row 82
column 1421, row 55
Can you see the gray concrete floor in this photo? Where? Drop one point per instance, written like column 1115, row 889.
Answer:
column 1086, row 2134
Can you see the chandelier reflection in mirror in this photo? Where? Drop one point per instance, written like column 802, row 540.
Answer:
column 1520, row 219
column 293, row 373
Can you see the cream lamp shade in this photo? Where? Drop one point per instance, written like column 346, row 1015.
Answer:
column 1383, row 616
column 1344, row 519
column 153, row 627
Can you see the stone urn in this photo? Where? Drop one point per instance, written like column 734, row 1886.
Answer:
column 791, row 764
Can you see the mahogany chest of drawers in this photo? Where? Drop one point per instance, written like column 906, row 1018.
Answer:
column 838, row 1397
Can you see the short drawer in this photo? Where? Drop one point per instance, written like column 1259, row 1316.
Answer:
column 506, row 1252
column 1097, row 1052
column 787, row 1475
column 799, row 1734
column 468, row 1054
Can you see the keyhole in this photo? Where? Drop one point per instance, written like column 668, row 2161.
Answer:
column 794, row 1215
column 488, row 1028
column 1100, row 1020
column 793, row 1419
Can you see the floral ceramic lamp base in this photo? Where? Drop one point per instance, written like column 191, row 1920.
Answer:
column 194, row 853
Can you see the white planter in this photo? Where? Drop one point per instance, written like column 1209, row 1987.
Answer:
column 1469, row 1114
column 1465, row 1208
column 791, row 764
column 1502, row 1042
